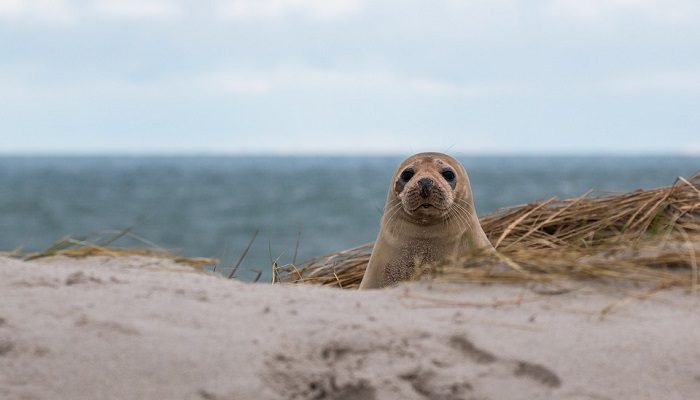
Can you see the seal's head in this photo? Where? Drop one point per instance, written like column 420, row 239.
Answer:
column 429, row 186
column 429, row 217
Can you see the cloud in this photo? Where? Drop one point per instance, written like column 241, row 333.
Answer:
column 136, row 9
column 449, row 17
column 67, row 12
column 659, row 82
column 596, row 11
column 305, row 78
column 48, row 12
column 278, row 9
column 10, row 7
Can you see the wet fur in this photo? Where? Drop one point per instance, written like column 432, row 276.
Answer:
column 411, row 235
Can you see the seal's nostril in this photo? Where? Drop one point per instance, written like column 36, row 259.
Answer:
column 424, row 185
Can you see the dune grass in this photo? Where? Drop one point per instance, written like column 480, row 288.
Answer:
column 641, row 236
column 102, row 244
column 650, row 236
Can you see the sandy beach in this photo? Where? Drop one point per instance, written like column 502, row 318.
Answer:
column 145, row 328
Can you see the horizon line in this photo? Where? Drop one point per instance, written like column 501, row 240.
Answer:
column 346, row 154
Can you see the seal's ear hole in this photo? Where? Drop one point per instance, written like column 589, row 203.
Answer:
column 407, row 174
column 449, row 175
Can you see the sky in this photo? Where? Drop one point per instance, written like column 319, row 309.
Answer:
column 349, row 76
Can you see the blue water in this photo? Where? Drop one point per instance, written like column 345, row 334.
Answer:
column 210, row 206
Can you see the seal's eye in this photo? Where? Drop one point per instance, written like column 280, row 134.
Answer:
column 407, row 174
column 448, row 175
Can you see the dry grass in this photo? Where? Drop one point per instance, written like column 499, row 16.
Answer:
column 647, row 236
column 102, row 245
column 641, row 236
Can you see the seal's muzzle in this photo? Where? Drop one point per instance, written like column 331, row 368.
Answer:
column 425, row 184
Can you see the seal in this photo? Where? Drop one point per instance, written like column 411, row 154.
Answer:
column 429, row 217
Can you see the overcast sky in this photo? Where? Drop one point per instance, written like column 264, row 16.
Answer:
column 350, row 76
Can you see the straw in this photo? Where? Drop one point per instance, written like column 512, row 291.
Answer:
column 641, row 236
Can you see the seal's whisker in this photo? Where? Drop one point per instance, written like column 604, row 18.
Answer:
column 445, row 221
column 464, row 214
column 466, row 202
column 459, row 219
column 465, row 222
column 390, row 216
column 395, row 209
column 452, row 213
column 469, row 214
column 450, row 220
column 390, row 208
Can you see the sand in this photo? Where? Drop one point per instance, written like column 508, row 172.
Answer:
column 141, row 328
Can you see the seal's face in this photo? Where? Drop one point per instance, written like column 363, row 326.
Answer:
column 427, row 185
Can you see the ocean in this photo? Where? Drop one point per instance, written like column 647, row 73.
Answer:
column 211, row 206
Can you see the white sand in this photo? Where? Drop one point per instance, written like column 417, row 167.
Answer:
column 138, row 328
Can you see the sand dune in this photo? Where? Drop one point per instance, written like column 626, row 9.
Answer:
column 141, row 328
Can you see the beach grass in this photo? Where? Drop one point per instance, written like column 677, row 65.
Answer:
column 102, row 244
column 642, row 236
column 650, row 236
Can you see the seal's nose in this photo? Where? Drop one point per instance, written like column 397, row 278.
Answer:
column 424, row 185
